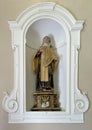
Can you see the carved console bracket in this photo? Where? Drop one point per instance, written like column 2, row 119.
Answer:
column 76, row 103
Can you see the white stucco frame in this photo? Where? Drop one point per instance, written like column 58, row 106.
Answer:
column 76, row 103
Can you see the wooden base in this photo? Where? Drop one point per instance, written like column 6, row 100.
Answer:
column 46, row 101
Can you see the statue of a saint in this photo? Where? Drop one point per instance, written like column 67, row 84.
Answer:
column 44, row 63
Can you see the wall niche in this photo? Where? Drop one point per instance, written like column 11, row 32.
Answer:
column 34, row 36
column 46, row 19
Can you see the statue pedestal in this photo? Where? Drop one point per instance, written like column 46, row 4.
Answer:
column 46, row 101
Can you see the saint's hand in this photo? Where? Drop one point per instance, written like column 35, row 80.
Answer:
column 41, row 50
column 55, row 58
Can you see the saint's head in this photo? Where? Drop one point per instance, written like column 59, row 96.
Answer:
column 47, row 40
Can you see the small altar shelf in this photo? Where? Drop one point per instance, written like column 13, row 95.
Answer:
column 46, row 101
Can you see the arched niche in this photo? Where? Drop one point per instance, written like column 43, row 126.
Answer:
column 34, row 36
column 31, row 26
